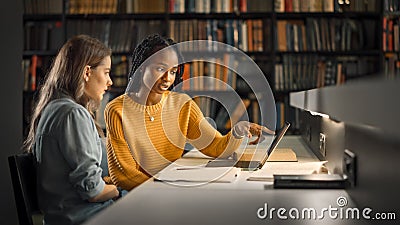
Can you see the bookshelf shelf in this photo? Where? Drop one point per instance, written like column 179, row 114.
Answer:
column 42, row 17
column 141, row 16
column 333, row 53
column 263, row 54
column 28, row 53
column 236, row 16
column 391, row 53
column 391, row 14
column 340, row 15
column 218, row 54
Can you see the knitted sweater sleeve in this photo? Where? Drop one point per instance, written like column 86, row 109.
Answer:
column 207, row 139
column 124, row 170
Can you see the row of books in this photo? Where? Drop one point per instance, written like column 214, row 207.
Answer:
column 47, row 35
column 115, row 6
column 390, row 34
column 223, row 118
column 43, row 6
column 92, row 6
column 208, row 106
column 119, row 71
column 33, row 70
column 219, row 6
column 392, row 65
column 281, row 114
column 35, row 67
column 304, row 6
column 120, row 36
column 306, row 72
column 325, row 34
column 246, row 109
column 391, row 5
column 246, row 35
column 286, row 113
column 296, row 73
column 29, row 72
column 205, row 75
column 107, row 31
column 327, row 6
column 141, row 6
column 146, row 6
column 227, row 111
column 203, row 6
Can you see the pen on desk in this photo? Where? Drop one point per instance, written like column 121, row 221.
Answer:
column 188, row 168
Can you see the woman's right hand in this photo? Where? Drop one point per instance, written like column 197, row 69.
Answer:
column 245, row 128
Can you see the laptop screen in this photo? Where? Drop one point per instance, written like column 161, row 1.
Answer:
column 278, row 137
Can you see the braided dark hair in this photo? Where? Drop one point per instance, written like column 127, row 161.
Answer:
column 150, row 45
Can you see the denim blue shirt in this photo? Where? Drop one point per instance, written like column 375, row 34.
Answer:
column 68, row 151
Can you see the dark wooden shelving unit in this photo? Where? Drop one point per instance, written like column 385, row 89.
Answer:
column 268, row 58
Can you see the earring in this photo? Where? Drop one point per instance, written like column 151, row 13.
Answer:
column 86, row 79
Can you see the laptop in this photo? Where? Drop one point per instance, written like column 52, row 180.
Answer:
column 251, row 163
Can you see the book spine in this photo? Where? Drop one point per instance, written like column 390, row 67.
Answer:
column 34, row 62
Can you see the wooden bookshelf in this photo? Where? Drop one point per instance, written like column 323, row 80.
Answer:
column 390, row 38
column 297, row 45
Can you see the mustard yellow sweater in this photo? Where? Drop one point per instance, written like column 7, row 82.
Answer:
column 138, row 148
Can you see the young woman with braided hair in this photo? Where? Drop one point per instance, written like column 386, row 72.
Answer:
column 148, row 126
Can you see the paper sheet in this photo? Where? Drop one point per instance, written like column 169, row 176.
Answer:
column 195, row 153
column 198, row 174
column 286, row 168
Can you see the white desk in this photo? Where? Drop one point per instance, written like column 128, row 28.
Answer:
column 220, row 203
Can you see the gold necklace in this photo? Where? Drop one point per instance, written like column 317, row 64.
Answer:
column 150, row 116
column 135, row 95
column 148, row 113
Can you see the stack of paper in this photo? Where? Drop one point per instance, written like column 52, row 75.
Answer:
column 195, row 153
column 198, row 174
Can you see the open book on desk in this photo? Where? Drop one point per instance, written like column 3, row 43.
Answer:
column 198, row 174
column 287, row 168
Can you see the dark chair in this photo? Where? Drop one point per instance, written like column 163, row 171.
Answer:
column 23, row 176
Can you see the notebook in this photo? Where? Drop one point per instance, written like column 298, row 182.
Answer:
column 252, row 163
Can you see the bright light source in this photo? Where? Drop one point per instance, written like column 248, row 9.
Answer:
column 319, row 114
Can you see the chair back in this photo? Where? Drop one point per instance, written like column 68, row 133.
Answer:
column 23, row 176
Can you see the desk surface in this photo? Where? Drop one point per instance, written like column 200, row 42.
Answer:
column 224, row 203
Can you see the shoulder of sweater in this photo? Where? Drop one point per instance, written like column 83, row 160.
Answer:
column 118, row 100
column 177, row 96
column 116, row 103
